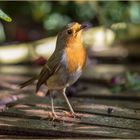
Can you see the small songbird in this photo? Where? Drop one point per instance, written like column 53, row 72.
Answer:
column 65, row 65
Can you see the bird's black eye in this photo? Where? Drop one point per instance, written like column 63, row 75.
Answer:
column 69, row 31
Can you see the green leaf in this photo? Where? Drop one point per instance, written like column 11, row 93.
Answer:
column 130, row 79
column 117, row 89
column 5, row 16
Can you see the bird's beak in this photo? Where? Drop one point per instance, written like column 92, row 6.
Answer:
column 81, row 27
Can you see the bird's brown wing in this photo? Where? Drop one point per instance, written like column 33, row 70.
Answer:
column 49, row 69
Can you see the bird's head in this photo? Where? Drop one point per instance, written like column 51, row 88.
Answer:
column 70, row 32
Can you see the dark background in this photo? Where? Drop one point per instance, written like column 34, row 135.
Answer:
column 36, row 20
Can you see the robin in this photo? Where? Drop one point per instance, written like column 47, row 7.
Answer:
column 65, row 65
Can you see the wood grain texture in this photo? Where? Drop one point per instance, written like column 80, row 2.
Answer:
column 103, row 114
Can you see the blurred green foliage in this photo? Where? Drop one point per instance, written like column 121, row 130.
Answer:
column 53, row 15
column 128, row 82
column 4, row 16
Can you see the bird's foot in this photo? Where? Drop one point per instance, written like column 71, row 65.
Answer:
column 71, row 114
column 52, row 116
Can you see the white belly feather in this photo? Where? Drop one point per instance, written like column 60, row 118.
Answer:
column 62, row 78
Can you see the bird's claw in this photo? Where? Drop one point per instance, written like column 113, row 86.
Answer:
column 71, row 114
column 52, row 116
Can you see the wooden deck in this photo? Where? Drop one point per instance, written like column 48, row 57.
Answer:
column 102, row 114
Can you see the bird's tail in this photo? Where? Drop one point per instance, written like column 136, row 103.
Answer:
column 30, row 81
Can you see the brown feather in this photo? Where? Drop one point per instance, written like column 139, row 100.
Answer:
column 22, row 85
column 49, row 69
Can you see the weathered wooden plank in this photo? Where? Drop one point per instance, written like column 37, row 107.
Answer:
column 91, row 101
column 86, row 118
column 84, row 89
column 91, row 113
column 135, row 106
column 93, row 90
column 18, row 70
column 86, row 85
column 97, row 92
column 35, row 127
column 89, row 104
column 9, row 97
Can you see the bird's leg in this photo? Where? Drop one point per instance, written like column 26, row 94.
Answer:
column 72, row 113
column 53, row 115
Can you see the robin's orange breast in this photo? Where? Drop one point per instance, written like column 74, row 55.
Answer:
column 75, row 58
